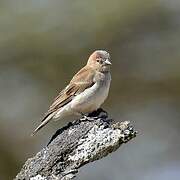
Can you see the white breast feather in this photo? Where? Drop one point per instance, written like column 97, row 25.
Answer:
column 89, row 100
column 92, row 98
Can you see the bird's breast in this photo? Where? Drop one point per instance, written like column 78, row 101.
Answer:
column 92, row 98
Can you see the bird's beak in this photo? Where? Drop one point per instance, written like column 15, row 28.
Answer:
column 108, row 62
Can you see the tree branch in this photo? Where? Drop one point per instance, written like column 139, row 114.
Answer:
column 80, row 142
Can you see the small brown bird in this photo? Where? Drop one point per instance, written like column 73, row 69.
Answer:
column 85, row 93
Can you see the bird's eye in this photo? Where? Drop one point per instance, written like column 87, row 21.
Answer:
column 99, row 61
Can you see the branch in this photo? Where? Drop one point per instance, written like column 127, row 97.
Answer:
column 80, row 142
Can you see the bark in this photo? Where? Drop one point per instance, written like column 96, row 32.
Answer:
column 78, row 143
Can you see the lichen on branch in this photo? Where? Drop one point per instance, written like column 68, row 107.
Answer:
column 80, row 142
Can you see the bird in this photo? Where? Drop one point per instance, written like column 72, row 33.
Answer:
column 85, row 93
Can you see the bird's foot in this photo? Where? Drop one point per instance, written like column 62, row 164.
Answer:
column 86, row 117
column 99, row 113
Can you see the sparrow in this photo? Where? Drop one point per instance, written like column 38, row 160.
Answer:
column 85, row 93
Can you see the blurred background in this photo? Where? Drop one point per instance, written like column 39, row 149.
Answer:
column 43, row 43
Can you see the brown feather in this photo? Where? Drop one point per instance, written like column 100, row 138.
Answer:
column 81, row 81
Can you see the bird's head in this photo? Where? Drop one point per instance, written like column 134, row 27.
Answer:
column 100, row 60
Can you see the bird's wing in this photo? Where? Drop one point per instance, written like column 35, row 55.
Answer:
column 81, row 81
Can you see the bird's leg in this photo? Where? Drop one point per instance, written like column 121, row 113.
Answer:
column 81, row 114
column 84, row 116
column 78, row 114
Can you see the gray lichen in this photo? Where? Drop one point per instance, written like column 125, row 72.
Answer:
column 97, row 141
column 75, row 145
column 38, row 177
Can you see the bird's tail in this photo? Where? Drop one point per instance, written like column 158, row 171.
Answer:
column 44, row 122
